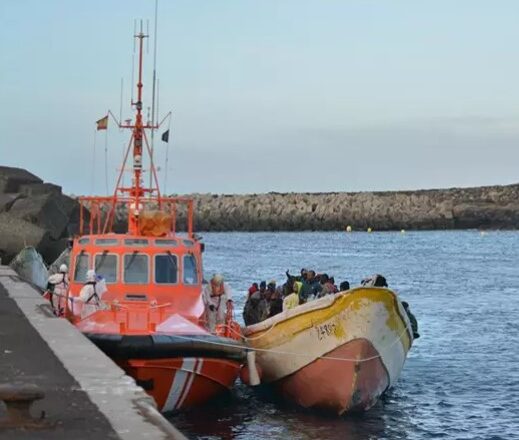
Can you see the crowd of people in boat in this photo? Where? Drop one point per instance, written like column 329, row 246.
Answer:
column 266, row 300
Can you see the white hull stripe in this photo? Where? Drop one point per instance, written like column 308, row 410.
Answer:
column 181, row 375
column 190, row 382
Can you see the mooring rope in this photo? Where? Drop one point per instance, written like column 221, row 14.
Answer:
column 293, row 353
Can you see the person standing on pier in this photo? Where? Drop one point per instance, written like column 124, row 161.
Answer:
column 57, row 287
column 217, row 300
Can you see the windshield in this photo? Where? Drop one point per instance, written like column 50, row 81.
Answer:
column 81, row 267
column 136, row 268
column 166, row 269
column 190, row 272
column 106, row 267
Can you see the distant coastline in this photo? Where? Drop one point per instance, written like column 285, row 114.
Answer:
column 486, row 207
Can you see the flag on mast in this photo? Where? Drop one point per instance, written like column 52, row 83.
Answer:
column 165, row 136
column 102, row 124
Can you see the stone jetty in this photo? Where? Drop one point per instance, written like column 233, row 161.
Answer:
column 490, row 207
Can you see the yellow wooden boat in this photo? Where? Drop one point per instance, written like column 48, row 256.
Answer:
column 338, row 353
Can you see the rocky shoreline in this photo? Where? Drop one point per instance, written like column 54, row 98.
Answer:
column 36, row 213
column 490, row 207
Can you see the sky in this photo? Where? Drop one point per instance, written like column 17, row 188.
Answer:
column 268, row 95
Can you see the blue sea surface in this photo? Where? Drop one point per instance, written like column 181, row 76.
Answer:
column 461, row 378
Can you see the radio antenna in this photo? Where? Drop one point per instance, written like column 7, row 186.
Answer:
column 133, row 58
column 153, row 88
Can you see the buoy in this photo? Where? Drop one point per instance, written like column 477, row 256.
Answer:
column 348, row 228
column 370, row 230
column 402, row 231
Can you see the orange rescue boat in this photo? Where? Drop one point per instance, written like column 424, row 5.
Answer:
column 149, row 315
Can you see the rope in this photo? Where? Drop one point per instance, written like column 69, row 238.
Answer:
column 292, row 353
column 266, row 332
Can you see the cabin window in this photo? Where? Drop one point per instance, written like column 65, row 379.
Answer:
column 166, row 269
column 81, row 267
column 190, row 272
column 106, row 241
column 136, row 268
column 188, row 243
column 166, row 243
column 84, row 240
column 106, row 266
column 136, row 242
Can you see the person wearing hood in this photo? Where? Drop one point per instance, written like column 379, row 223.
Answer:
column 91, row 294
column 57, row 287
column 217, row 300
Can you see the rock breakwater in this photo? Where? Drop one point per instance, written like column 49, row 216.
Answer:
column 489, row 207
column 34, row 213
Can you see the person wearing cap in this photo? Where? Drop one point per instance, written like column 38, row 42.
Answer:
column 90, row 295
column 57, row 287
column 217, row 301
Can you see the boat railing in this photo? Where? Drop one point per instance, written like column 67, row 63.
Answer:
column 100, row 215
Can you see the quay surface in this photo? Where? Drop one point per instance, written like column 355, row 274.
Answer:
column 86, row 395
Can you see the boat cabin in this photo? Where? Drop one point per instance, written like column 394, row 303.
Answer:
column 136, row 268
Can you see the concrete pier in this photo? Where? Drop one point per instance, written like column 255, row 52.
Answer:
column 86, row 395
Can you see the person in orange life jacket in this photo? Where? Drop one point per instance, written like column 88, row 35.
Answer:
column 217, row 300
column 91, row 294
column 57, row 286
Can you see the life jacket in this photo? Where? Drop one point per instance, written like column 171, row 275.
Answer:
column 94, row 295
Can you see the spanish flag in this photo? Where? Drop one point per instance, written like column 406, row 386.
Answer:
column 102, row 124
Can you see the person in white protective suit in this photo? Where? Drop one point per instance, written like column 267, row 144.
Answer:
column 217, row 301
column 91, row 294
column 57, row 286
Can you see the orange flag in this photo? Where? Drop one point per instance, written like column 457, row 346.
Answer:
column 102, row 124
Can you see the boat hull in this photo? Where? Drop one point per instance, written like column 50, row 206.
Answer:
column 178, row 371
column 354, row 386
column 179, row 383
column 338, row 353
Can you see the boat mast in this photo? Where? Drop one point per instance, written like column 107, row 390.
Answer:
column 137, row 193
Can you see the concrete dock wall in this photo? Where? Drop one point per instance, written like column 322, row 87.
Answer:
column 111, row 401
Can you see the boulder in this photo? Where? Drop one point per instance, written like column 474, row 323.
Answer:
column 16, row 233
column 36, row 189
column 12, row 178
column 45, row 211
column 7, row 200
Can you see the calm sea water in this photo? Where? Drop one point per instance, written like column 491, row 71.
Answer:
column 461, row 379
